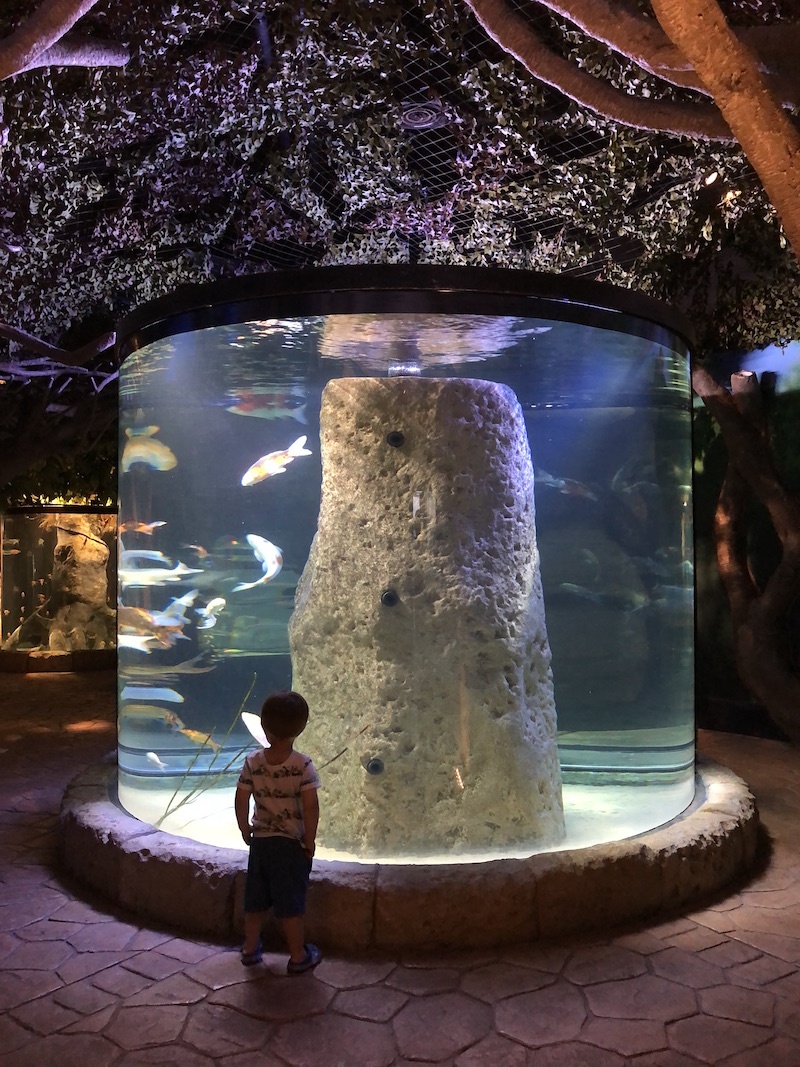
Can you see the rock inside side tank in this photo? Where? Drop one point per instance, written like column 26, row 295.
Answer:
column 419, row 633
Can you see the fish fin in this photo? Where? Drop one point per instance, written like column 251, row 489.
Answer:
column 298, row 447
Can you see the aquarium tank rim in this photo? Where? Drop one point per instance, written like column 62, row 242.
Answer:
column 57, row 509
column 401, row 289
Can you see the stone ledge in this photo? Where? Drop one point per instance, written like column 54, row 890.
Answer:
column 39, row 661
column 199, row 888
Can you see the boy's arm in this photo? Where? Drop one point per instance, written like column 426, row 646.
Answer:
column 242, row 807
column 310, row 820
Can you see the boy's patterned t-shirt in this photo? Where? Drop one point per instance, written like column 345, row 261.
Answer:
column 276, row 791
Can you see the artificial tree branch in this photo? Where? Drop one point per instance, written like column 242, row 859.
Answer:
column 77, row 358
column 730, row 71
column 625, row 30
column 22, row 49
column 516, row 37
column 75, row 51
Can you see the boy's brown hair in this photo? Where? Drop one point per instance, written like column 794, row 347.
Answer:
column 284, row 714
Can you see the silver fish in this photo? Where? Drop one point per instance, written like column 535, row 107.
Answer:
column 141, row 576
column 268, row 555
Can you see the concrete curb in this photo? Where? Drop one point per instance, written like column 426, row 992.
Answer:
column 199, row 888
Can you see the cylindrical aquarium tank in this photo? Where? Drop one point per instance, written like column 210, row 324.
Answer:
column 452, row 507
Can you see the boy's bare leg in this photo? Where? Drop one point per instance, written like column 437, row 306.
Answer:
column 294, row 932
column 253, row 924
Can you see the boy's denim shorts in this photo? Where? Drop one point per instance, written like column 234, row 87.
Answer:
column 277, row 877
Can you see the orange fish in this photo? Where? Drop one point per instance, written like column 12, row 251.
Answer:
column 274, row 462
column 200, row 738
column 140, row 527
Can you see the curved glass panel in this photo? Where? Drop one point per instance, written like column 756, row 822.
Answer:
column 225, row 432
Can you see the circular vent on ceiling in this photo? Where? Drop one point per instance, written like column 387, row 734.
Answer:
column 423, row 115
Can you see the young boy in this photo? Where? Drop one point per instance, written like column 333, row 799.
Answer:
column 283, row 784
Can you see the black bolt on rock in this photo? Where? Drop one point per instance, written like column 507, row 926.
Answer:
column 395, row 438
column 389, row 598
column 374, row 765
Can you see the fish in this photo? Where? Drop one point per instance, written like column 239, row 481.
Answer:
column 154, row 758
column 201, row 738
column 622, row 598
column 268, row 555
column 275, row 462
column 142, row 692
column 140, row 576
column 140, row 643
column 142, row 621
column 253, row 724
column 270, row 404
column 150, row 712
column 209, row 613
column 567, row 486
column 127, row 556
column 140, row 527
column 142, row 447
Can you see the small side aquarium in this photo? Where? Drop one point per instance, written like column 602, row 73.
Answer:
column 59, row 577
column 453, row 508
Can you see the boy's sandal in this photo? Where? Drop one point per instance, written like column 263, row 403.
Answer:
column 250, row 959
column 312, row 958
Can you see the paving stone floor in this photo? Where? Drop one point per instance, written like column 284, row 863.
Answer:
column 82, row 985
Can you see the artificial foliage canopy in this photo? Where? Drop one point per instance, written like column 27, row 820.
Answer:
column 212, row 138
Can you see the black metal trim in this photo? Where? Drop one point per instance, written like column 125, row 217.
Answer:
column 399, row 288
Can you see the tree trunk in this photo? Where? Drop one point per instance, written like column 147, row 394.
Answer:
column 758, row 615
column 730, row 72
column 81, row 617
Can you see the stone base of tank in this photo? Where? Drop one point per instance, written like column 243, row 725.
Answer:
column 39, row 661
column 358, row 907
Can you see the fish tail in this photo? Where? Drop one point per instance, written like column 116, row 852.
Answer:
column 297, row 448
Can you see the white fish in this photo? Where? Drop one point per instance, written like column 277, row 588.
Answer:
column 268, row 555
column 253, row 724
column 178, row 606
column 209, row 613
column 141, row 644
column 142, row 692
column 128, row 555
column 142, row 447
column 275, row 462
column 154, row 759
column 139, row 576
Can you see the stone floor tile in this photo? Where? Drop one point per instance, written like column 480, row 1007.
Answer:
column 667, row 1058
column 48, row 930
column 376, row 1004
column 84, row 964
column 760, row 972
column 736, row 1002
column 67, row 1050
column 686, row 968
column 168, row 1056
column 121, row 982
column 38, row 956
column 135, row 1028
column 262, row 1058
column 177, row 989
column 668, row 929
column 218, row 1029
column 496, row 981
column 647, row 997
column 224, row 969
column 542, row 1017
column 774, row 944
column 276, row 999
column 493, row 1051
column 442, row 1025
column 350, row 974
column 18, row 987
column 576, row 1054
column 111, row 937
column 788, row 987
column 603, row 963
column 775, row 899
column 153, row 965
column 787, row 1018
column 94, row 1023
column 729, row 954
column 712, row 1040
column 12, row 1037
column 545, row 957
column 84, row 997
column 698, row 939
column 628, row 1037
column 185, row 951
column 333, row 1040
column 720, row 921
column 422, row 981
column 641, row 941
column 782, row 921
column 8, row 942
column 44, row 1015
column 779, row 1052
column 36, row 906
column 80, row 912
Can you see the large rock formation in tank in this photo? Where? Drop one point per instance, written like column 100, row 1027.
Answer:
column 419, row 633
